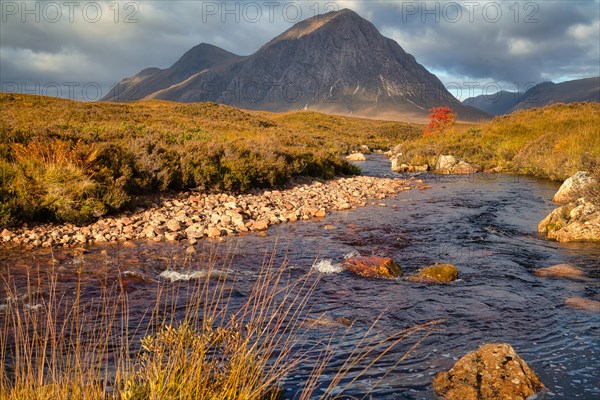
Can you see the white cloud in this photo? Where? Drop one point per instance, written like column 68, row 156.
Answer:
column 584, row 32
column 519, row 47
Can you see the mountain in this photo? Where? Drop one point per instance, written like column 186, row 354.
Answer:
column 336, row 62
column 587, row 89
column 503, row 102
column 498, row 103
column 150, row 80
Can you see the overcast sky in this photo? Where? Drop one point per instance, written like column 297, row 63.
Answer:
column 78, row 49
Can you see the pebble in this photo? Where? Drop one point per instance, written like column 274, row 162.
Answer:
column 192, row 216
column 190, row 250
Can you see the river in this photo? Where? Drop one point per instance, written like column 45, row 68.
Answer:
column 485, row 224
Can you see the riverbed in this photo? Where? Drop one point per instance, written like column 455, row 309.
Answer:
column 485, row 224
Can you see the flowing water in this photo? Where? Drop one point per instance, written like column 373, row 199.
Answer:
column 485, row 224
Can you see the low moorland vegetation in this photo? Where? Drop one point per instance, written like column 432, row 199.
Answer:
column 552, row 142
column 66, row 161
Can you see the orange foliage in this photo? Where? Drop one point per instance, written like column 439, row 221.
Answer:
column 439, row 119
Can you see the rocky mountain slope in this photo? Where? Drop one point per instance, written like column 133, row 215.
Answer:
column 337, row 63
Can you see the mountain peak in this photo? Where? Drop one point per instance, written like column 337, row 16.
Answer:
column 201, row 54
column 336, row 62
column 345, row 12
column 313, row 24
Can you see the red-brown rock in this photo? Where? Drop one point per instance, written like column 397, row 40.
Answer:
column 373, row 267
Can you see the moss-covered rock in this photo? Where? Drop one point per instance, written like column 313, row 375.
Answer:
column 494, row 371
column 436, row 273
column 573, row 222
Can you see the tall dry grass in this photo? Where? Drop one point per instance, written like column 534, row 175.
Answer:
column 192, row 343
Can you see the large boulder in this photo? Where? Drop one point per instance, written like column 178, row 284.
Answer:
column 356, row 157
column 373, row 267
column 463, row 167
column 560, row 271
column 582, row 184
column 436, row 273
column 574, row 222
column 447, row 164
column 493, row 372
column 365, row 149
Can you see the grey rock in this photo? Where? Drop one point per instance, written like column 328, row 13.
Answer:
column 581, row 184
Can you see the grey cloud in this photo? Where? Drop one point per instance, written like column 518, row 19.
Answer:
column 506, row 50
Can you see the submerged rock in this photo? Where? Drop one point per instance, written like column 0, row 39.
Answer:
column 436, row 273
column 493, row 372
column 175, row 276
column 574, row 222
column 582, row 184
column 560, row 271
column 583, row 303
column 130, row 280
column 326, row 321
column 356, row 157
column 373, row 267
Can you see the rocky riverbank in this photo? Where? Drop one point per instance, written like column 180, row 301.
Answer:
column 445, row 164
column 194, row 216
column 578, row 219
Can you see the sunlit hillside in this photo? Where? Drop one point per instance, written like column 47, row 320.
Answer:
column 551, row 142
column 72, row 162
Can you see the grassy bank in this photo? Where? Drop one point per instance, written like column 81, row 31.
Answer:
column 69, row 161
column 551, row 142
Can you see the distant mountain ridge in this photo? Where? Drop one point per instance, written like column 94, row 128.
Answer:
column 336, row 62
column 150, row 80
column 504, row 102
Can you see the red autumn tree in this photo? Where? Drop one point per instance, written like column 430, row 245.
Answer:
column 440, row 118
